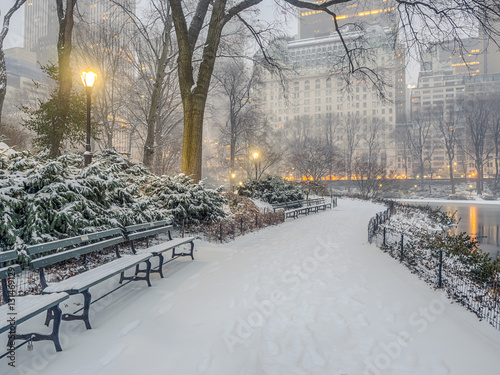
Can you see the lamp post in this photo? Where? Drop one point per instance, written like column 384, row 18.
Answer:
column 255, row 157
column 233, row 176
column 88, row 79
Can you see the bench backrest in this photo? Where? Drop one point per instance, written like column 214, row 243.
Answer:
column 138, row 227
column 73, row 247
column 74, row 252
column 7, row 271
column 145, row 230
column 77, row 240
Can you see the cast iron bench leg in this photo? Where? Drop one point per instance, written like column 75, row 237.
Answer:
column 56, row 314
column 87, row 297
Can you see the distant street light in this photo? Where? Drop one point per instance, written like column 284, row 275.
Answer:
column 88, row 79
column 233, row 176
column 255, row 157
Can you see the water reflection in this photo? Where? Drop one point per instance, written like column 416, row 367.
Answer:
column 480, row 221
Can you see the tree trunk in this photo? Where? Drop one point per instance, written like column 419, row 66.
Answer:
column 3, row 80
column 64, row 46
column 193, row 137
column 3, row 68
column 452, row 179
column 149, row 145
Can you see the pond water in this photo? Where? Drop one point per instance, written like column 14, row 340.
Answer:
column 480, row 220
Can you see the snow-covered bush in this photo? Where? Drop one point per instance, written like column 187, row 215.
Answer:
column 43, row 200
column 271, row 189
column 186, row 201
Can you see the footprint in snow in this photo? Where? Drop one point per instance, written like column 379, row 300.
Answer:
column 214, row 263
column 214, row 270
column 194, row 276
column 194, row 285
column 130, row 327
column 111, row 356
column 204, row 364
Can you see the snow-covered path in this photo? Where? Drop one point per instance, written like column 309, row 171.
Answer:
column 307, row 297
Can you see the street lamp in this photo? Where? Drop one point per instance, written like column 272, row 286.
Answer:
column 88, row 79
column 233, row 176
column 255, row 157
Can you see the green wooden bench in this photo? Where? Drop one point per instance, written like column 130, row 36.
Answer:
column 44, row 255
column 20, row 309
column 147, row 230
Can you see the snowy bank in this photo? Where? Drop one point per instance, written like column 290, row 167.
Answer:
column 307, row 297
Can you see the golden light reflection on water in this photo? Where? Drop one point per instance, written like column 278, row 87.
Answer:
column 473, row 221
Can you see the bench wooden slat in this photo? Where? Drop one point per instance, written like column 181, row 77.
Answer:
column 147, row 233
column 6, row 271
column 72, row 253
column 84, row 281
column 5, row 256
column 136, row 227
column 27, row 307
column 169, row 245
column 53, row 245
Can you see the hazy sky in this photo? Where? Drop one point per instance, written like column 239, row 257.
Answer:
column 15, row 36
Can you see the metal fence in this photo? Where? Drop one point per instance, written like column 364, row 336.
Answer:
column 441, row 269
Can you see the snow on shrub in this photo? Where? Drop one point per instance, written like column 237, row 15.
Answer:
column 43, row 200
column 271, row 189
column 186, row 201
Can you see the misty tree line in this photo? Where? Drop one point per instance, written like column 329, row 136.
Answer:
column 158, row 78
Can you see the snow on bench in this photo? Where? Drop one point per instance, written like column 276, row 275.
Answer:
column 146, row 230
column 80, row 284
column 20, row 309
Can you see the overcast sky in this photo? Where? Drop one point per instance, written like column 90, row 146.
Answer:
column 15, row 36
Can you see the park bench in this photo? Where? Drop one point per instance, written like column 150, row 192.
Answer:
column 44, row 255
column 308, row 206
column 147, row 230
column 297, row 204
column 19, row 309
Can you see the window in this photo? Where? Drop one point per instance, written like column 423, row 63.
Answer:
column 307, row 85
column 328, row 83
column 317, row 84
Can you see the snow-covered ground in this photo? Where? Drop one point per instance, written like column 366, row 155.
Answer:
column 307, row 297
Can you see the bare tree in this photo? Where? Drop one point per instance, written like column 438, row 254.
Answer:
column 419, row 137
column 3, row 69
column 372, row 134
column 351, row 132
column 446, row 123
column 313, row 157
column 421, row 22
column 477, row 112
column 234, row 81
column 495, row 136
column 366, row 176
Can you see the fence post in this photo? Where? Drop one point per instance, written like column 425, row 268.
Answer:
column 402, row 247
column 440, row 270
column 220, row 231
column 256, row 220
column 182, row 228
column 241, row 225
column 384, row 243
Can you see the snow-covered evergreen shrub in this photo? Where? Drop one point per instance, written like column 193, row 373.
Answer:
column 271, row 189
column 190, row 202
column 42, row 200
